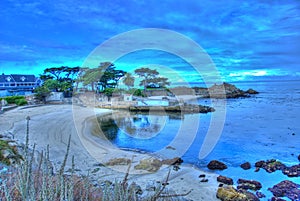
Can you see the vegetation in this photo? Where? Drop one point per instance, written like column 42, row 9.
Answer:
column 151, row 78
column 128, row 80
column 104, row 76
column 18, row 100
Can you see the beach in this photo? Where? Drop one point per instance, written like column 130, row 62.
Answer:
column 53, row 124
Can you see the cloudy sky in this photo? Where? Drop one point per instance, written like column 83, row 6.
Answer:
column 246, row 40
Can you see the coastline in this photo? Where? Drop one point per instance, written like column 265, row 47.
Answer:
column 52, row 124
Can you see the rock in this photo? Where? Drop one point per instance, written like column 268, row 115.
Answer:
column 216, row 165
column 277, row 199
column 270, row 166
column 204, row 180
column 260, row 194
column 251, row 91
column 246, row 166
column 170, row 147
column 225, row 180
column 286, row 189
column 118, row 161
column 229, row 193
column 259, row 164
column 174, row 161
column 135, row 188
column 150, row 164
column 249, row 184
column 293, row 171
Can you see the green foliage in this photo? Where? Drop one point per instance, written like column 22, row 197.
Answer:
column 137, row 92
column 13, row 99
column 18, row 100
column 109, row 91
column 106, row 76
column 21, row 102
column 42, row 92
column 151, row 78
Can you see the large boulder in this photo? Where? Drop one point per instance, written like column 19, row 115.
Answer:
column 286, row 189
column 229, row 193
column 249, row 184
column 246, row 166
column 216, row 165
column 225, row 180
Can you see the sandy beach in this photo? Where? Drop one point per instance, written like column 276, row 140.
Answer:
column 53, row 124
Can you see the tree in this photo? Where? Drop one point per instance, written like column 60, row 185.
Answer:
column 128, row 80
column 158, row 82
column 147, row 74
column 105, row 76
column 151, row 78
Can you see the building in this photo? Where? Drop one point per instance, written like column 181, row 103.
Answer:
column 18, row 84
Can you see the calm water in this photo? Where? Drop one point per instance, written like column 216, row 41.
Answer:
column 262, row 127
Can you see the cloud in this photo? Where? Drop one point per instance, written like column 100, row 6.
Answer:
column 249, row 36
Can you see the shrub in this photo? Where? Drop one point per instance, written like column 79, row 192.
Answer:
column 21, row 102
column 12, row 99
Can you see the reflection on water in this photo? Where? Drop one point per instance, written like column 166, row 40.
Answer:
column 136, row 125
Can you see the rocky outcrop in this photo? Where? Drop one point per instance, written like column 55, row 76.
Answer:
column 224, row 90
column 225, row 180
column 149, row 164
column 286, row 189
column 246, row 166
column 229, row 193
column 249, row 184
column 216, row 165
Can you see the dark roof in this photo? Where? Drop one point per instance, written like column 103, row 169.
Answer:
column 23, row 78
column 17, row 78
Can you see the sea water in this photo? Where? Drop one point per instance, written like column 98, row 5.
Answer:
column 264, row 126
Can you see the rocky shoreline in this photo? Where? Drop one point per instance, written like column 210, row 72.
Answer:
column 250, row 189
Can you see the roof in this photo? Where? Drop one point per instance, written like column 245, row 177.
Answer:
column 17, row 78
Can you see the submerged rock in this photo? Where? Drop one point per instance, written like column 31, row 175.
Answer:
column 216, row 165
column 225, row 180
column 286, row 189
column 246, row 166
column 229, row 193
column 249, row 184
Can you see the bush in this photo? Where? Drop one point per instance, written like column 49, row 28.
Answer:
column 13, row 99
column 21, row 102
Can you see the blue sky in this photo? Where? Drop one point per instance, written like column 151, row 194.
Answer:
column 246, row 40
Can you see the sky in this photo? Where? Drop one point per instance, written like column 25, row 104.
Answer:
column 246, row 40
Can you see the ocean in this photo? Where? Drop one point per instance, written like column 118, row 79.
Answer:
column 264, row 126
